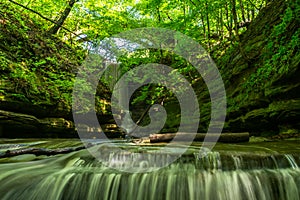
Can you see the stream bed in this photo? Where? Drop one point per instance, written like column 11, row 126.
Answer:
column 255, row 170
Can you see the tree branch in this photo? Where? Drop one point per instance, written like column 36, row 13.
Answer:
column 54, row 29
column 43, row 17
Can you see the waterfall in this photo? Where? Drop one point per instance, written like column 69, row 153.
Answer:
column 213, row 176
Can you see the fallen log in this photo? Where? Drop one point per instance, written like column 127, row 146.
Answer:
column 39, row 151
column 224, row 137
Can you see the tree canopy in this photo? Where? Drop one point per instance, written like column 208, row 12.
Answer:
column 44, row 42
column 206, row 21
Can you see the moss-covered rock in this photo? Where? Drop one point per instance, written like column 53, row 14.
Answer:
column 36, row 80
column 261, row 74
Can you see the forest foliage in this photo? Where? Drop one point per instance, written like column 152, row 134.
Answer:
column 44, row 42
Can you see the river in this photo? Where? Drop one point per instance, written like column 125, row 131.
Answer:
column 255, row 170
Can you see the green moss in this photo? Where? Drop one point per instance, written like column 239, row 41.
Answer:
column 279, row 52
column 38, row 68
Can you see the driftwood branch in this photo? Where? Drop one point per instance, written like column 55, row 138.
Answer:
column 224, row 137
column 39, row 151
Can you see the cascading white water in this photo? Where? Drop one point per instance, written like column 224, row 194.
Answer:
column 214, row 176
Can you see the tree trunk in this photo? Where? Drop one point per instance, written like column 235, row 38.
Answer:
column 229, row 21
column 243, row 10
column 203, row 25
column 224, row 137
column 248, row 13
column 235, row 19
column 208, row 24
column 158, row 14
column 252, row 13
column 221, row 24
column 54, row 29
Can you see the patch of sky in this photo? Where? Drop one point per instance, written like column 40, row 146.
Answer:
column 111, row 48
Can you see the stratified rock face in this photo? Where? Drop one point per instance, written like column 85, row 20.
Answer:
column 18, row 125
column 262, row 73
column 36, row 79
column 11, row 123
